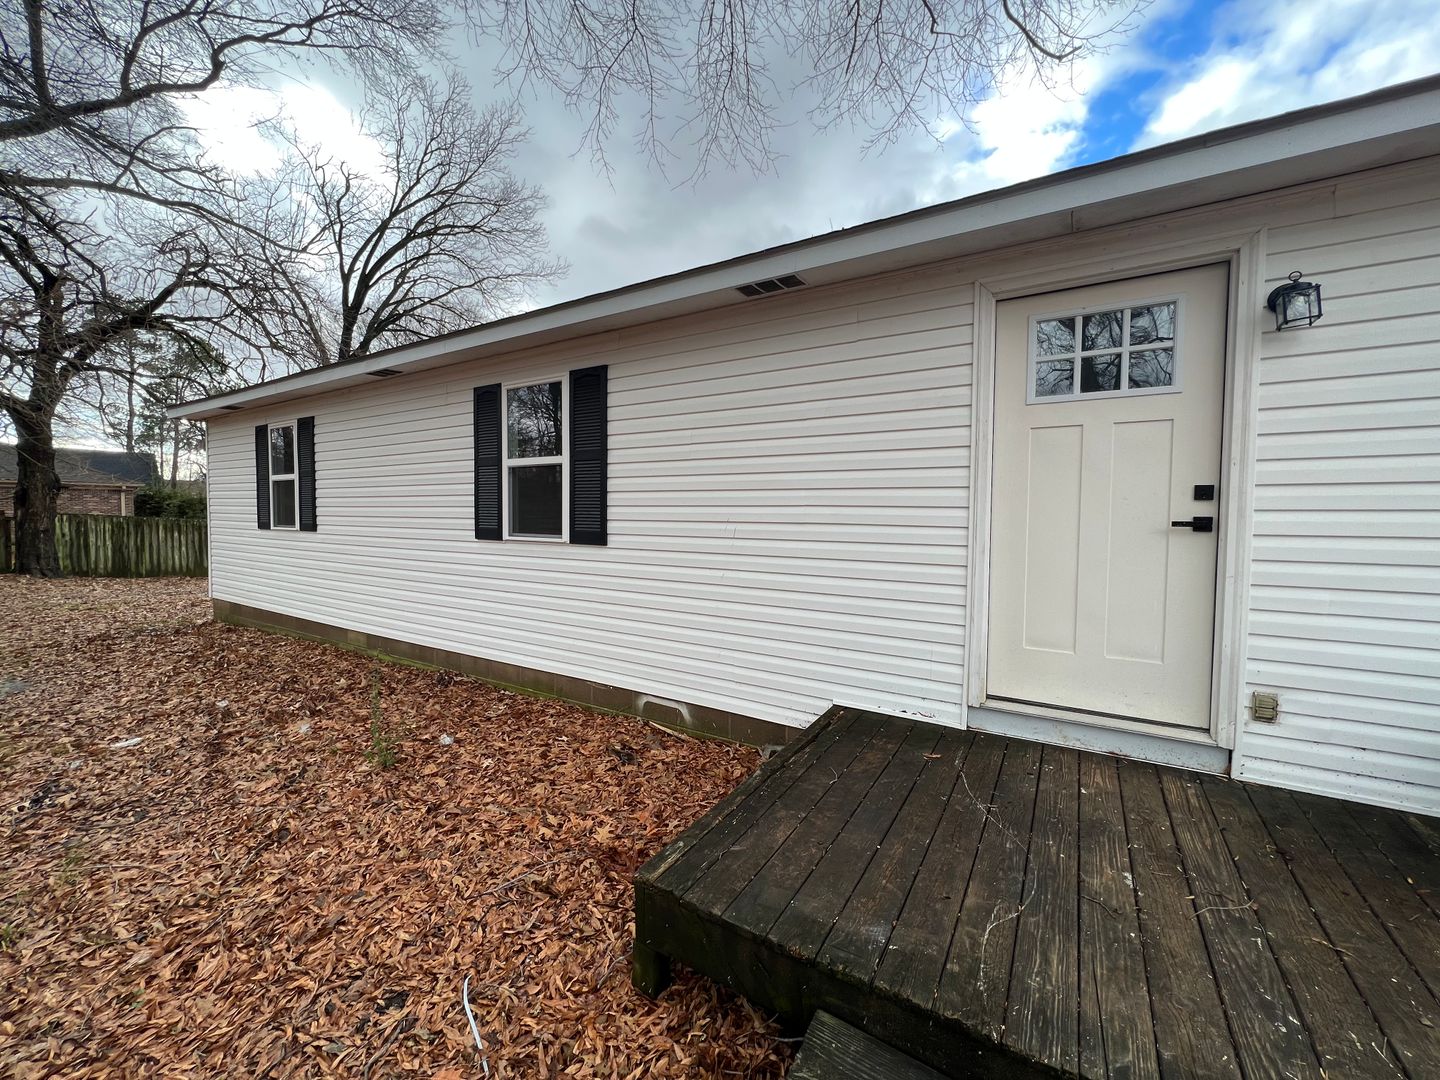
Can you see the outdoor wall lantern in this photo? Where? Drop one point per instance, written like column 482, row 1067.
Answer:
column 1296, row 303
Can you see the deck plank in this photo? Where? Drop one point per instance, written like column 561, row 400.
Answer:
column 1117, row 1032
column 915, row 955
column 1406, row 1011
column 1043, row 1016
column 740, row 797
column 1270, row 1039
column 857, row 940
column 759, row 906
column 974, row 987
column 1411, row 924
column 685, row 861
column 757, row 840
column 1408, row 845
column 834, row 1050
column 1191, row 1034
column 1346, row 1036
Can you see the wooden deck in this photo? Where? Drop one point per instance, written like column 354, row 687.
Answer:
column 998, row 908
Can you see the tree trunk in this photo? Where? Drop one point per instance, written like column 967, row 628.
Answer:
column 130, row 411
column 175, row 454
column 37, row 493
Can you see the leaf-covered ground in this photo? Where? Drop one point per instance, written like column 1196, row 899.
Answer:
column 206, row 870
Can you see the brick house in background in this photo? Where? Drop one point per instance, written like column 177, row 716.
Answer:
column 91, row 481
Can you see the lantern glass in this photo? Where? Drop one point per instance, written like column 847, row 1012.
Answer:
column 1297, row 307
column 1296, row 303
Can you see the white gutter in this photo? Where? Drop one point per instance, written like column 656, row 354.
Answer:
column 1397, row 124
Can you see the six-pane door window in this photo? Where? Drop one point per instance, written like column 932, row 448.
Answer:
column 535, row 460
column 284, row 489
column 1104, row 352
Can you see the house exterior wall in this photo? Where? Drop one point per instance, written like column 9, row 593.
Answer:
column 1345, row 589
column 788, row 500
column 87, row 499
column 787, row 491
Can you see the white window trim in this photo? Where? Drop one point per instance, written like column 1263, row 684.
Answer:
column 294, row 426
column 1125, row 349
column 562, row 459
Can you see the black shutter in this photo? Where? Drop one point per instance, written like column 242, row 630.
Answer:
column 589, row 393
column 487, row 462
column 262, row 476
column 305, row 461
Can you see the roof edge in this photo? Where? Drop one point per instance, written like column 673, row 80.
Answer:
column 577, row 314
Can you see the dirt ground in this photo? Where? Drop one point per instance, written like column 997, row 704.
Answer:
column 229, row 853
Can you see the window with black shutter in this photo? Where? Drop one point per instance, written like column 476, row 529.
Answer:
column 540, row 459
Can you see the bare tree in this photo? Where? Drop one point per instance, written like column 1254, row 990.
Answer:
column 111, row 220
column 725, row 66
column 443, row 236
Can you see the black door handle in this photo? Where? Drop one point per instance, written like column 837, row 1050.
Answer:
column 1199, row 524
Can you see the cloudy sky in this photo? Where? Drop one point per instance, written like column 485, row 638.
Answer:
column 1186, row 66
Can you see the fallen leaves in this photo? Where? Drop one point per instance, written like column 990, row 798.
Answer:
column 203, row 874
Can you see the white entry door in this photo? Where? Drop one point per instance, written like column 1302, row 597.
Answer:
column 1108, row 404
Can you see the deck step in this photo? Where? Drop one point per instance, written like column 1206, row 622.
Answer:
column 833, row 1050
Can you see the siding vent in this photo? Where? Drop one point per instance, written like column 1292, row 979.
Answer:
column 770, row 285
column 385, row 373
column 1264, row 707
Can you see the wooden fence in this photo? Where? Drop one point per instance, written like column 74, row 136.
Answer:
column 100, row 545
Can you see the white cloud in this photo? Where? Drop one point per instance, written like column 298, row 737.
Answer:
column 229, row 123
column 1297, row 54
column 1028, row 129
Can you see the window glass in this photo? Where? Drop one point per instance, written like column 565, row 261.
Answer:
column 1054, row 377
column 533, row 419
column 1152, row 324
column 282, row 450
column 282, row 504
column 1102, row 330
column 1105, row 352
column 1054, row 337
column 1152, row 367
column 1100, row 373
column 535, row 500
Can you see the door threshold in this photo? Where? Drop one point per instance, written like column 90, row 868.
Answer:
column 1104, row 721
column 1184, row 749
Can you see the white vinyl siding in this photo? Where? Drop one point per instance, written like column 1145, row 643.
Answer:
column 1345, row 583
column 787, row 488
column 788, row 501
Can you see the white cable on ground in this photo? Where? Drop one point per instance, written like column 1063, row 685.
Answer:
column 474, row 1030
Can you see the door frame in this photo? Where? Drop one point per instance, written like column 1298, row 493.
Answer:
column 1243, row 252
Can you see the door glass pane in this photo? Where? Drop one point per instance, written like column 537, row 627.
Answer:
column 1151, row 324
column 1054, row 377
column 1102, row 330
column 533, row 417
column 282, row 504
column 282, row 450
column 1152, row 367
column 535, row 500
column 1054, row 337
column 1100, row 373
